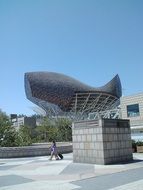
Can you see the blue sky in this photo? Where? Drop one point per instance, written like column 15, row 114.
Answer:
column 90, row 40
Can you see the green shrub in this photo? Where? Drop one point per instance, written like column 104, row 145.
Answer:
column 134, row 144
column 139, row 143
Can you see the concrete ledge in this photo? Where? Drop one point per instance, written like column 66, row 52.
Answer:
column 29, row 151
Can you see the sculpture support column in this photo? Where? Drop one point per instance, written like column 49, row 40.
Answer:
column 103, row 141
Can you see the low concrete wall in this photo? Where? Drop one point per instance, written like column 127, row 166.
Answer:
column 36, row 150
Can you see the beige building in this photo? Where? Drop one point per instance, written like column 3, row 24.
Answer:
column 132, row 109
column 20, row 121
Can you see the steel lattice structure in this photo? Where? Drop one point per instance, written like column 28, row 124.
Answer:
column 59, row 95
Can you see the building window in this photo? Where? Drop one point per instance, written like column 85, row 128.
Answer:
column 133, row 110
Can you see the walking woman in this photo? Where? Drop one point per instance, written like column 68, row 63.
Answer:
column 54, row 151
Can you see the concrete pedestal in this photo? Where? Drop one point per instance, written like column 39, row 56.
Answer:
column 103, row 141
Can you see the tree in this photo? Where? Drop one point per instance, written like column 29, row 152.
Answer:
column 47, row 130
column 7, row 132
column 55, row 129
column 24, row 136
column 9, row 136
column 64, row 129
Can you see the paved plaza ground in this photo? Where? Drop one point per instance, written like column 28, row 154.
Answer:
column 39, row 173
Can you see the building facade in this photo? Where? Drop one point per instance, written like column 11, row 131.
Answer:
column 132, row 109
column 21, row 121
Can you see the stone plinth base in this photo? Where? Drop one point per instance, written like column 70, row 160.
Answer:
column 104, row 141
